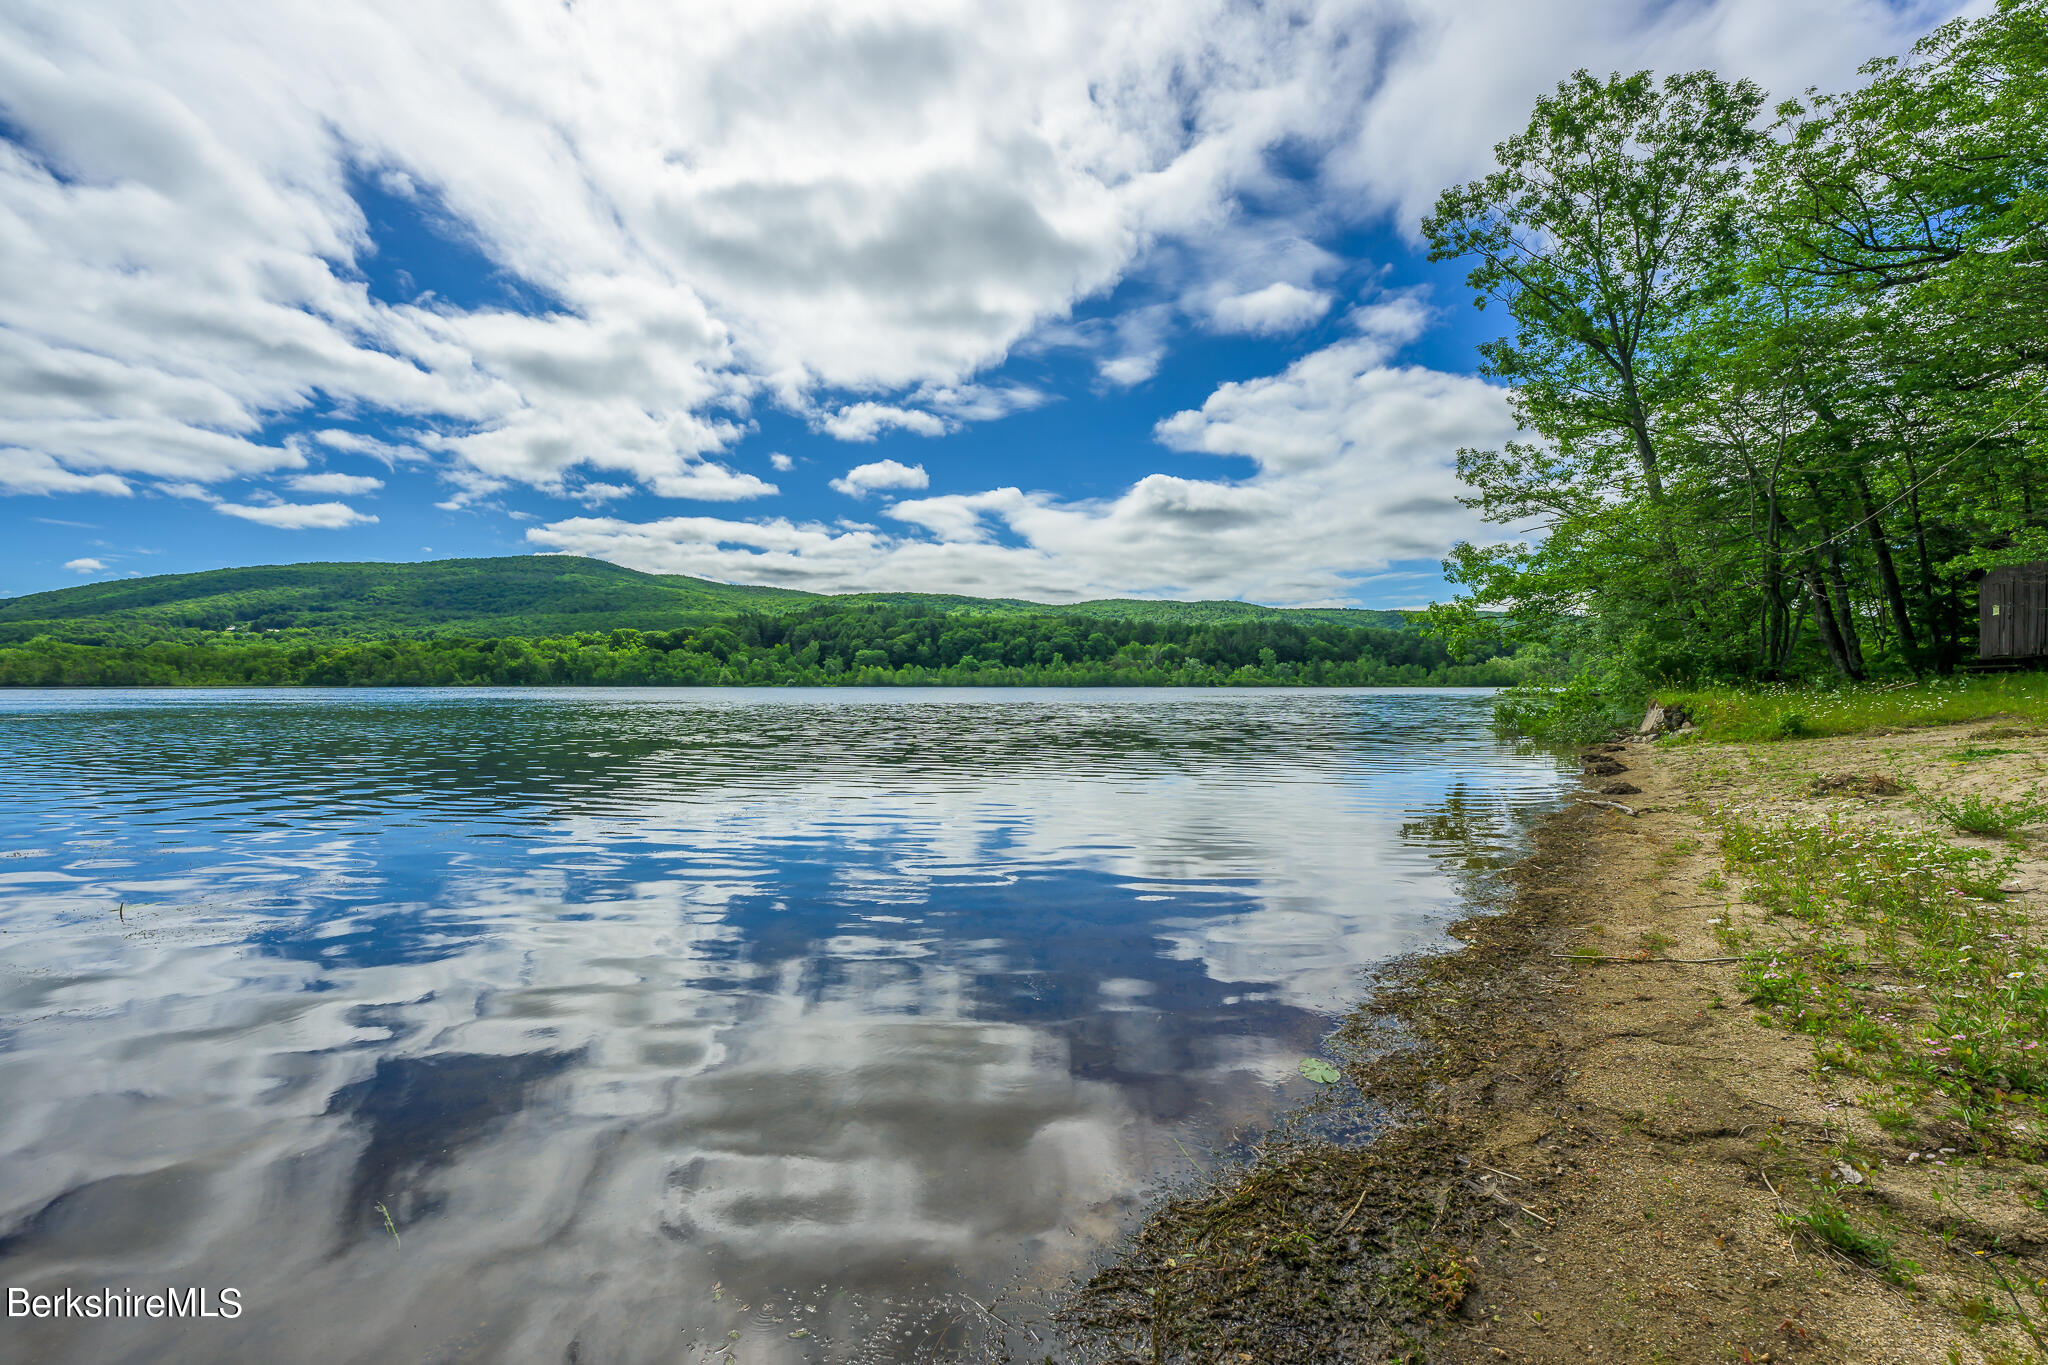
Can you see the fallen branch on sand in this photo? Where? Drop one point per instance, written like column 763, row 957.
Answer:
column 1625, row 810
column 1501, row 1198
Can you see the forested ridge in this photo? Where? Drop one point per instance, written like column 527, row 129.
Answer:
column 834, row 643
column 514, row 595
column 1780, row 369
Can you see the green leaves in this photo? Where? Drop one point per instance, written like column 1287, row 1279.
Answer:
column 835, row 643
column 1605, row 224
column 1786, row 393
column 1320, row 1071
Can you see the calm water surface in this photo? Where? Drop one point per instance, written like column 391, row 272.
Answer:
column 764, row 1026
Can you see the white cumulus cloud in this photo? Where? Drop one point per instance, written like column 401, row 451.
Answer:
column 864, row 479
column 86, row 566
column 852, row 212
column 1352, row 462
column 32, row 471
column 295, row 516
column 348, row 485
column 866, row 421
column 1279, row 307
column 715, row 207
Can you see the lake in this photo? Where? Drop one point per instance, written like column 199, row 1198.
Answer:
column 621, row 1025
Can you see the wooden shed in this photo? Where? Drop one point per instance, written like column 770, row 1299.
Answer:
column 2012, row 613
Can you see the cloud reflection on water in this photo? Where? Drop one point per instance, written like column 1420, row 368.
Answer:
column 635, row 1008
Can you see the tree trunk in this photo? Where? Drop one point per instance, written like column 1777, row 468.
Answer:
column 1943, row 649
column 1829, row 566
column 1830, row 632
column 1778, row 612
column 1845, row 616
column 1646, row 457
column 1887, row 572
column 1774, row 570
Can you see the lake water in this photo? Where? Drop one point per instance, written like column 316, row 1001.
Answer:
column 624, row 1025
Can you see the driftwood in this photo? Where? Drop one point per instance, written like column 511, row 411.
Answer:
column 1615, row 805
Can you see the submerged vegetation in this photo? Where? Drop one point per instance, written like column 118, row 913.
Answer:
column 1311, row 1250
column 1787, row 399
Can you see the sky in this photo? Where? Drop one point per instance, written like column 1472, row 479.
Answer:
column 1055, row 300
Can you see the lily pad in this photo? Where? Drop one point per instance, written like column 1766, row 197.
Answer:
column 1320, row 1071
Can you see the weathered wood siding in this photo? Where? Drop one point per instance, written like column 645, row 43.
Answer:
column 2012, row 613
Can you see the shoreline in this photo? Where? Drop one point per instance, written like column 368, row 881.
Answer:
column 1601, row 1149
column 1269, row 685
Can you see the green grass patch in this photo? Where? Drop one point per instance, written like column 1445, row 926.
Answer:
column 1977, row 814
column 1827, row 1224
column 1780, row 712
column 1903, row 963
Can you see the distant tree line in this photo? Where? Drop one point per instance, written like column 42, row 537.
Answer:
column 829, row 645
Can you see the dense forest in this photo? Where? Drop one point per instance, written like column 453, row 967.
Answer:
column 510, row 595
column 560, row 619
column 518, row 595
column 1781, row 373
column 834, row 643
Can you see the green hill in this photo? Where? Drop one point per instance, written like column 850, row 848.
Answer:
column 523, row 595
column 1210, row 612
column 516, row 595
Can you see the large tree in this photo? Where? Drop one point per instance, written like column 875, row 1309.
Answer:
column 1604, row 227
column 1786, row 389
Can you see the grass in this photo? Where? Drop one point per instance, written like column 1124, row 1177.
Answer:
column 1894, row 951
column 1828, row 1224
column 1776, row 712
column 1977, row 814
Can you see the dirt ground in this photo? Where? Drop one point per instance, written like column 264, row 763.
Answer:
column 1593, row 1156
column 1657, row 1104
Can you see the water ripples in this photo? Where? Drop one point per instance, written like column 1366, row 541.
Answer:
column 654, row 1017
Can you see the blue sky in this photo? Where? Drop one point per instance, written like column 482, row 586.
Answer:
column 1054, row 301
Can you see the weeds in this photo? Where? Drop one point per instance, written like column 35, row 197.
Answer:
column 1435, row 1280
column 1579, row 712
column 1587, row 709
column 1973, row 813
column 1828, row 1225
column 1909, row 971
